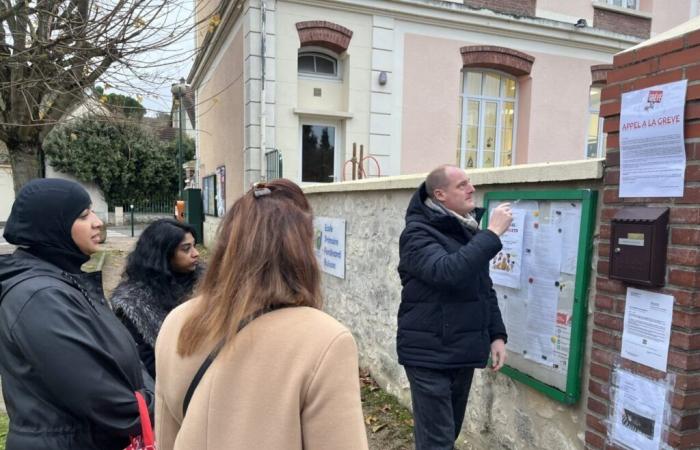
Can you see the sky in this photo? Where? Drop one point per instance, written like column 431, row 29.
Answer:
column 155, row 95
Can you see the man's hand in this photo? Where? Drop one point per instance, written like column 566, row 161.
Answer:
column 498, row 354
column 500, row 220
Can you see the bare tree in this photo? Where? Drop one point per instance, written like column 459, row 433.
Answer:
column 52, row 52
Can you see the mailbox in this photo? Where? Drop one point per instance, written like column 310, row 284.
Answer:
column 639, row 236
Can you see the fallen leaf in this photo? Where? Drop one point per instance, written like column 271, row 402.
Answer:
column 378, row 427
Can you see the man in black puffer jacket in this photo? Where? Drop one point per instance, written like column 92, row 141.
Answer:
column 448, row 321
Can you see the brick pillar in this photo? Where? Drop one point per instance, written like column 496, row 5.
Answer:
column 664, row 62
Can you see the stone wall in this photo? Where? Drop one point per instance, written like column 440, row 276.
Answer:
column 501, row 412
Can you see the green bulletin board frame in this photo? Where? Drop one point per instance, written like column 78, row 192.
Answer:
column 588, row 199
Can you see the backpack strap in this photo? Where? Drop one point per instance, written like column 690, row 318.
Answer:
column 214, row 353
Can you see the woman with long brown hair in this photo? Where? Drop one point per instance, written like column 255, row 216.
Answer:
column 252, row 362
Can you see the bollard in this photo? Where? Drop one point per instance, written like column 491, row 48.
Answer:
column 132, row 220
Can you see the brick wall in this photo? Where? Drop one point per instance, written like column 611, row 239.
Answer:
column 620, row 22
column 517, row 7
column 664, row 62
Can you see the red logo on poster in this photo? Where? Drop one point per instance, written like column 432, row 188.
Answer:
column 654, row 97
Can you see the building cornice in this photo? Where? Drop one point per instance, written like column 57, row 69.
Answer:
column 437, row 13
column 458, row 16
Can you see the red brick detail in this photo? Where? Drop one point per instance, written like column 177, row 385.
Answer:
column 612, row 158
column 603, row 373
column 691, row 440
column 598, row 389
column 599, row 73
column 611, row 93
column 683, row 360
column 686, row 236
column 603, row 338
column 517, row 7
column 500, row 58
column 693, row 38
column 693, row 92
column 645, row 82
column 597, row 406
column 595, row 423
column 611, row 124
column 604, row 231
column 691, row 422
column 324, row 34
column 685, row 341
column 613, row 140
column 683, row 256
column 608, row 109
column 692, row 110
column 660, row 48
column 690, row 215
column 681, row 58
column 612, row 177
column 684, row 297
column 635, row 70
column 620, row 22
column 692, row 173
column 607, row 321
column 687, row 382
column 612, row 286
column 603, row 266
column 594, row 440
column 685, row 278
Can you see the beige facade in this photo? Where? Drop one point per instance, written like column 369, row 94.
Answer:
column 389, row 75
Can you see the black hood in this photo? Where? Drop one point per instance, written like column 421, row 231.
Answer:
column 418, row 212
column 41, row 220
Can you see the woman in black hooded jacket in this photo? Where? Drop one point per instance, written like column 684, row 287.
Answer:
column 69, row 368
column 160, row 274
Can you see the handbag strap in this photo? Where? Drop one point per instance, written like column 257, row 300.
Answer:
column 214, row 353
column 146, row 427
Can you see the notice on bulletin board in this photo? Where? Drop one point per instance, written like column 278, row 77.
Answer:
column 537, row 301
column 651, row 141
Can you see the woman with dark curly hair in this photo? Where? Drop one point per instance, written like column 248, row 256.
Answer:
column 160, row 274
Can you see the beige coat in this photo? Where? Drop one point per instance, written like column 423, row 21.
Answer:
column 291, row 382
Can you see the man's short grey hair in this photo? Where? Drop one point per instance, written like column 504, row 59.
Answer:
column 437, row 179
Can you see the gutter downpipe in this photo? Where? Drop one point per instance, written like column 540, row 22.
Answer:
column 263, row 121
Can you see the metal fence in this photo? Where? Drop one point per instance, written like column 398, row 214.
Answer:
column 154, row 205
column 273, row 162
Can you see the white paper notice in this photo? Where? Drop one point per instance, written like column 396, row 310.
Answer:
column 638, row 412
column 546, row 250
column 506, row 266
column 651, row 141
column 513, row 313
column 542, row 299
column 567, row 216
column 647, row 328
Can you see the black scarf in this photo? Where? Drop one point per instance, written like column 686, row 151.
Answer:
column 41, row 220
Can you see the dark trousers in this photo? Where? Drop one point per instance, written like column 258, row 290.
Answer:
column 439, row 398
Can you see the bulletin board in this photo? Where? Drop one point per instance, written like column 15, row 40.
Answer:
column 541, row 280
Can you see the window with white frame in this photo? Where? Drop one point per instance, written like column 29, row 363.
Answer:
column 317, row 64
column 595, row 138
column 487, row 130
column 629, row 4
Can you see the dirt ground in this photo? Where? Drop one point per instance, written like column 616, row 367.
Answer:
column 389, row 425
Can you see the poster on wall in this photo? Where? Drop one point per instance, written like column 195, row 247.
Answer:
column 329, row 234
column 651, row 141
column 221, row 191
column 647, row 328
column 639, row 411
column 209, row 195
column 505, row 266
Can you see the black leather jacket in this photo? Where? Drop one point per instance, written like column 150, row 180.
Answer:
column 69, row 368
